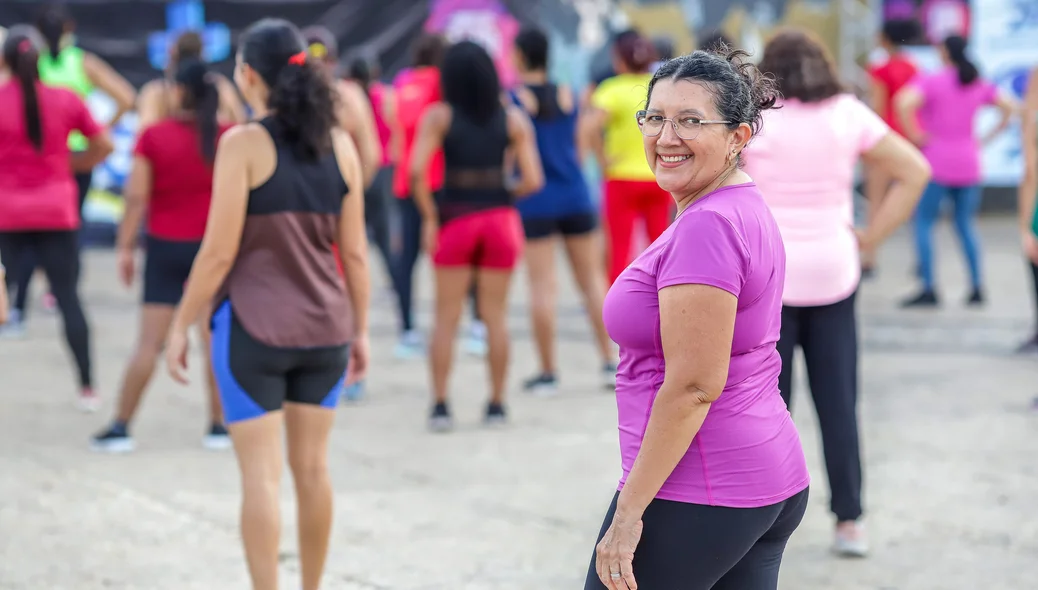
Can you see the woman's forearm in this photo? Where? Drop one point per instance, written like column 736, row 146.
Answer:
column 676, row 417
column 207, row 274
column 358, row 283
column 131, row 223
column 423, row 198
column 895, row 208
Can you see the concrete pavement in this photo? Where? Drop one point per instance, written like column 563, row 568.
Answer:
column 951, row 452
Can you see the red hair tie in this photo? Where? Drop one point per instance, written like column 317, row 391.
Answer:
column 298, row 59
column 24, row 45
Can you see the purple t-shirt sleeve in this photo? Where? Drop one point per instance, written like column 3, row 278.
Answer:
column 704, row 249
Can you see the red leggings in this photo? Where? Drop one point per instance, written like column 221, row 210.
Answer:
column 625, row 202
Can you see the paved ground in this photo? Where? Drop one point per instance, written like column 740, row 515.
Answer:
column 950, row 448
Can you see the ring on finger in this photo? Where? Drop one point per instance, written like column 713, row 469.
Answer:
column 615, row 575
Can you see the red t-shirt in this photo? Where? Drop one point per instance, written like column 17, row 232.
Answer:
column 37, row 188
column 181, row 179
column 415, row 90
column 893, row 74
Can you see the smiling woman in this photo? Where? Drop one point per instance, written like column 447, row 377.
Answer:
column 714, row 477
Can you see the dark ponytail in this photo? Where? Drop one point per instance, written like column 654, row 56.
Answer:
column 53, row 23
column 22, row 56
column 202, row 99
column 955, row 46
column 301, row 98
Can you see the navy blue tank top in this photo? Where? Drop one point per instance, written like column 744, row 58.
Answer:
column 474, row 166
column 565, row 191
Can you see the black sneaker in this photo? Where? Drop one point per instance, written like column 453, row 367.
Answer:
column 1029, row 346
column 496, row 415
column 926, row 298
column 440, row 419
column 544, row 384
column 217, row 439
column 116, row 439
column 976, row 298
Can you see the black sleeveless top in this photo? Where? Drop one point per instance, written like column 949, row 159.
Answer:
column 474, row 166
column 285, row 287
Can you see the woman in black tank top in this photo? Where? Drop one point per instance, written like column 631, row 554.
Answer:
column 287, row 209
column 472, row 228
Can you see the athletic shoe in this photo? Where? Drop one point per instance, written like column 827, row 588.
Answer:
column 116, row 439
column 851, row 541
column 925, row 298
column 976, row 298
column 353, row 392
column 475, row 343
column 88, row 401
column 14, row 329
column 50, row 303
column 543, row 385
column 495, row 415
column 217, row 439
column 609, row 376
column 410, row 346
column 440, row 419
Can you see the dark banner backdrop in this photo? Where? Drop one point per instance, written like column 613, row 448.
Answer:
column 119, row 30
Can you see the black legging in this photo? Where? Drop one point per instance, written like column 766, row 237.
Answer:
column 698, row 547
column 57, row 252
column 828, row 336
column 376, row 213
column 403, row 268
column 30, row 261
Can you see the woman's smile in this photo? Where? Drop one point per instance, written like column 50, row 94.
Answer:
column 672, row 160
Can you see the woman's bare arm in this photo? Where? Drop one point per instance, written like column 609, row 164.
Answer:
column 111, row 83
column 353, row 237
column 528, row 158
column 903, row 163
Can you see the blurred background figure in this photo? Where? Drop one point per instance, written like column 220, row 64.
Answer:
column 886, row 80
column 714, row 40
column 631, row 195
column 937, row 111
column 472, row 231
column 159, row 98
column 664, row 47
column 562, row 209
column 814, row 207
column 63, row 65
column 1026, row 195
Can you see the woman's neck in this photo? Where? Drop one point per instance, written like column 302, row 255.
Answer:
column 729, row 177
column 534, row 78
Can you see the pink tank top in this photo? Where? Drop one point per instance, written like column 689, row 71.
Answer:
column 377, row 94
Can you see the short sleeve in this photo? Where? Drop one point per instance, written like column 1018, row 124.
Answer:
column 145, row 144
column 82, row 120
column 869, row 128
column 604, row 97
column 704, row 249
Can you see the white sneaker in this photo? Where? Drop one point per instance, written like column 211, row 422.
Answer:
column 410, row 346
column 14, row 329
column 851, row 543
column 476, row 340
column 88, row 401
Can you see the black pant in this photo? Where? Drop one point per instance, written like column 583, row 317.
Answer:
column 30, row 260
column 58, row 254
column 406, row 259
column 828, row 336
column 376, row 213
column 696, row 547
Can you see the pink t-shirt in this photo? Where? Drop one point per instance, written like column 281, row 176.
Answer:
column 37, row 189
column 803, row 161
column 747, row 453
column 947, row 116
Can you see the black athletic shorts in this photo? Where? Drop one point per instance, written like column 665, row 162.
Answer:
column 254, row 378
column 570, row 225
column 167, row 265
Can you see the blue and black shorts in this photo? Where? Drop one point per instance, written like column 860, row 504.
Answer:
column 254, row 378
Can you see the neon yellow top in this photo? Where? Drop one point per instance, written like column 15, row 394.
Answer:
column 67, row 71
column 621, row 97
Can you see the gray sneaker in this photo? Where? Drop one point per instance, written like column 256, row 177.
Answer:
column 851, row 541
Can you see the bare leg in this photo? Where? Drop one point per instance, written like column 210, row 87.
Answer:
column 540, row 268
column 452, row 287
column 493, row 308
column 257, row 443
column 155, row 321
column 308, row 428
column 215, row 406
column 582, row 252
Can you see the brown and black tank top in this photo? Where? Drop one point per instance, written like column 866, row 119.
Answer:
column 285, row 288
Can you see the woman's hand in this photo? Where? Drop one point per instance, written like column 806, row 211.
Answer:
column 614, row 554
column 176, row 355
column 1029, row 243
column 127, row 266
column 865, row 241
column 360, row 353
column 430, row 233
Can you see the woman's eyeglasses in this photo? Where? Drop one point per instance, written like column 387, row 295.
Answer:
column 686, row 128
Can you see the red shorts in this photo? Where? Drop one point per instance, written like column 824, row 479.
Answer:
column 486, row 239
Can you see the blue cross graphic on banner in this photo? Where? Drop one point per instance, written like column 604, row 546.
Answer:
column 188, row 15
